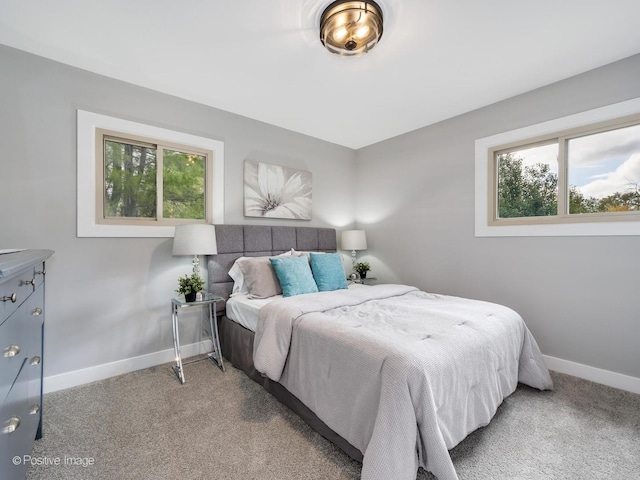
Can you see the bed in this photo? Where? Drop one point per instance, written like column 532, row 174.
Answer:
column 393, row 376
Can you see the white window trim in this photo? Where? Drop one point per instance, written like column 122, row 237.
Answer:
column 87, row 124
column 482, row 146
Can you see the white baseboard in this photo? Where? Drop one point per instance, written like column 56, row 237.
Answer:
column 99, row 372
column 605, row 377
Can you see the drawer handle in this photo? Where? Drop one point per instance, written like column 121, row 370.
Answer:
column 35, row 360
column 34, row 409
column 36, row 311
column 12, row 351
column 43, row 273
column 12, row 425
column 30, row 282
column 12, row 297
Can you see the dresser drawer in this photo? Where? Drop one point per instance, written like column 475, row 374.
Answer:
column 15, row 290
column 13, row 350
column 18, row 424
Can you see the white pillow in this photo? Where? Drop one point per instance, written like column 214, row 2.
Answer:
column 240, row 285
column 347, row 264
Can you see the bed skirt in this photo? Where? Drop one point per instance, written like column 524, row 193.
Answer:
column 236, row 343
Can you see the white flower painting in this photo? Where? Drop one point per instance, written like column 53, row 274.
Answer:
column 276, row 192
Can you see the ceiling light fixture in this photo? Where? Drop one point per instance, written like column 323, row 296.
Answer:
column 351, row 28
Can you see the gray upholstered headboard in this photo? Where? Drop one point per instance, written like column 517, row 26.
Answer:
column 236, row 241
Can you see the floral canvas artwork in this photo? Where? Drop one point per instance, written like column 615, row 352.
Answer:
column 276, row 192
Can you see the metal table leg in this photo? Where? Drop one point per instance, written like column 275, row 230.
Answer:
column 177, row 368
column 216, row 354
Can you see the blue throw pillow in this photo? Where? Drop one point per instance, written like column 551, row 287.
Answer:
column 328, row 271
column 294, row 275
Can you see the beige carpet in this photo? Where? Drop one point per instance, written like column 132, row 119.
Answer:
column 145, row 425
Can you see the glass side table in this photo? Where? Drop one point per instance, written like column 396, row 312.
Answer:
column 178, row 304
column 355, row 278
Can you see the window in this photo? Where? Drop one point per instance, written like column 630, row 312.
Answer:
column 583, row 179
column 145, row 183
column 136, row 180
column 603, row 174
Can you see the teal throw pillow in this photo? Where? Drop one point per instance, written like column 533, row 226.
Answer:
column 294, row 275
column 328, row 271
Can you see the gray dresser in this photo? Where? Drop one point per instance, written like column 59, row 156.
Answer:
column 22, row 277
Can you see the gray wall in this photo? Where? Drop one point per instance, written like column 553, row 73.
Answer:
column 580, row 296
column 108, row 299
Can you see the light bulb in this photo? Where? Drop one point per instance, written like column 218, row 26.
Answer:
column 340, row 33
column 362, row 31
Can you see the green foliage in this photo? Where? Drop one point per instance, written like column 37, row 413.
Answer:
column 131, row 176
column 183, row 186
column 525, row 192
column 578, row 203
column 190, row 284
column 362, row 268
column 621, row 202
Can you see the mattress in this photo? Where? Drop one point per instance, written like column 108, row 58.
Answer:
column 244, row 310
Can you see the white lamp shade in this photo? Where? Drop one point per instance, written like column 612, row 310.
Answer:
column 354, row 240
column 195, row 239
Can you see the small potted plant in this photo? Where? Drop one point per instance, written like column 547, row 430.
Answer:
column 362, row 268
column 189, row 286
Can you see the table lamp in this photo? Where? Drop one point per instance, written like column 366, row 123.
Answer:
column 354, row 240
column 195, row 239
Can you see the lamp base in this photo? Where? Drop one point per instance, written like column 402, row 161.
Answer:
column 196, row 264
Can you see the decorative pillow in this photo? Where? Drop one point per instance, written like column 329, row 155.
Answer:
column 295, row 276
column 328, row 271
column 347, row 263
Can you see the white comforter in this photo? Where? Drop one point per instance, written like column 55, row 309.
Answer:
column 401, row 374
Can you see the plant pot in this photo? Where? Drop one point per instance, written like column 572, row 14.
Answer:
column 363, row 275
column 190, row 297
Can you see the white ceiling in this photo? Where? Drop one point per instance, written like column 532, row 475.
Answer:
column 262, row 58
